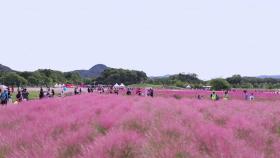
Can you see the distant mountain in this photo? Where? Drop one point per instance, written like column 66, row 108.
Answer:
column 4, row 68
column 95, row 71
column 270, row 76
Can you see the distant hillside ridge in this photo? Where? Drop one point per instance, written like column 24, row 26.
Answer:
column 270, row 76
column 4, row 68
column 93, row 72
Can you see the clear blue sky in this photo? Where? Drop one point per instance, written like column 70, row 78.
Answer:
column 213, row 38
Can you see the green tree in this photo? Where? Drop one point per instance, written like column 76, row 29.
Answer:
column 189, row 78
column 53, row 76
column 235, row 80
column 72, row 77
column 179, row 83
column 112, row 76
column 246, row 85
column 219, row 84
column 87, row 81
column 13, row 79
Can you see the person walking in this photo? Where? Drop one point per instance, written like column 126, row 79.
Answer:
column 252, row 97
column 116, row 91
column 48, row 93
column 53, row 93
column 76, row 91
column 151, row 92
column 128, row 91
column 4, row 98
column 9, row 95
column 246, row 95
column 19, row 97
column 41, row 93
column 25, row 94
column 226, row 95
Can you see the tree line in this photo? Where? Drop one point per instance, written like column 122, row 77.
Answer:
column 235, row 81
column 111, row 76
column 41, row 77
column 179, row 80
column 47, row 77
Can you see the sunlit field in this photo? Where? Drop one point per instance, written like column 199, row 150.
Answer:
column 174, row 124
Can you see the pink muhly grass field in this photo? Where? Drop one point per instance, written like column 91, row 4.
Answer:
column 110, row 126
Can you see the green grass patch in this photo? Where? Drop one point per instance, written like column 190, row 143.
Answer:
column 142, row 85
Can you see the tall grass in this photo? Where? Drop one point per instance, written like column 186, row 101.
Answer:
column 110, row 126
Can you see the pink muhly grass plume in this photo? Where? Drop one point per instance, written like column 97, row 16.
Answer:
column 111, row 126
column 117, row 144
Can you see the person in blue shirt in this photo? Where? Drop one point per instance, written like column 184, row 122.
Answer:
column 4, row 98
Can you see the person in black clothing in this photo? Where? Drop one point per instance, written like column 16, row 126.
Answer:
column 41, row 94
column 128, row 92
column 80, row 90
column 116, row 91
column 102, row 90
column 19, row 96
column 76, row 91
column 9, row 93
column 53, row 93
column 152, row 93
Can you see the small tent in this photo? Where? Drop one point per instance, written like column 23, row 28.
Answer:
column 188, row 87
column 122, row 86
column 58, row 86
column 116, row 86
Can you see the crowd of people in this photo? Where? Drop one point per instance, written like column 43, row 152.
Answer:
column 6, row 95
column 127, row 91
column 46, row 94
column 215, row 97
column 23, row 94
column 76, row 91
column 100, row 89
